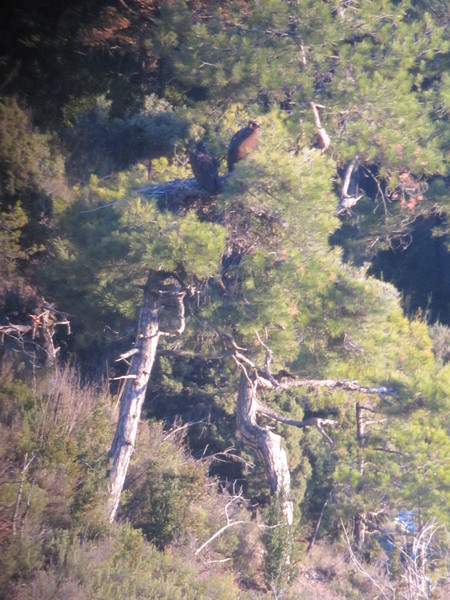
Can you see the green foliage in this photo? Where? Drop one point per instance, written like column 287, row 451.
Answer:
column 65, row 430
column 54, row 439
column 26, row 161
column 277, row 539
column 168, row 498
column 12, row 222
column 114, row 238
column 121, row 564
column 100, row 145
column 31, row 175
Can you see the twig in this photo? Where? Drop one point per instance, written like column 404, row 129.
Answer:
column 358, row 564
column 26, row 464
column 221, row 530
column 85, row 212
column 380, row 191
column 319, row 521
column 182, row 428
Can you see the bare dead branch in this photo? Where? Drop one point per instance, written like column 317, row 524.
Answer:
column 267, row 361
column 179, row 299
column 236, row 498
column 380, row 191
column 361, row 569
column 351, row 386
column 324, row 138
column 319, row 521
column 302, row 53
column 229, row 338
column 28, row 505
column 312, row 422
column 226, row 456
column 221, row 530
column 415, row 557
column 181, row 428
column 122, row 377
column 127, row 355
column 222, row 560
column 348, row 177
column 41, row 326
column 347, row 201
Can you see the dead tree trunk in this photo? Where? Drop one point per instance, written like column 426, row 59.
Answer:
column 133, row 395
column 40, row 327
column 349, row 197
column 265, row 443
column 157, row 295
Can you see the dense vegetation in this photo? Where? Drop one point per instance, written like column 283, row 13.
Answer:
column 327, row 249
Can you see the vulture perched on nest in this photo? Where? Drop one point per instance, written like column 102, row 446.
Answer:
column 242, row 143
column 205, row 168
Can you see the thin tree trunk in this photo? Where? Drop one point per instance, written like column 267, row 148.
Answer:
column 360, row 517
column 312, row 541
column 26, row 464
column 134, row 394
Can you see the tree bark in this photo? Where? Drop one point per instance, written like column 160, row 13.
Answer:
column 133, row 394
column 349, row 193
column 157, row 295
column 264, row 442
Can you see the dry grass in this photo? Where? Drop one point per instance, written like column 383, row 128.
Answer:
column 328, row 574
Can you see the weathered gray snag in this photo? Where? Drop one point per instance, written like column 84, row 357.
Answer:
column 156, row 296
column 360, row 518
column 133, row 395
column 41, row 326
column 264, row 442
column 347, row 199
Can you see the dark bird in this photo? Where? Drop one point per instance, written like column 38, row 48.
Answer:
column 205, row 168
column 242, row 143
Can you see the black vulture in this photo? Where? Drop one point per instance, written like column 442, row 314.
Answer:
column 205, row 168
column 242, row 143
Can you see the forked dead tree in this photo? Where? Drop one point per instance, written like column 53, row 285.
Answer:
column 262, row 440
column 35, row 336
